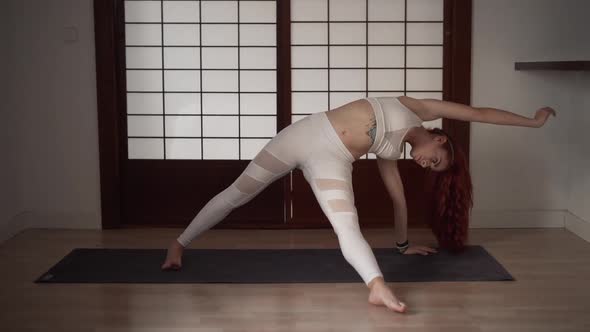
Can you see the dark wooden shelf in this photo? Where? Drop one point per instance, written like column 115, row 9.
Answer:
column 553, row 65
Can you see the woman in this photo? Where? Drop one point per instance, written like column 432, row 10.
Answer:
column 324, row 145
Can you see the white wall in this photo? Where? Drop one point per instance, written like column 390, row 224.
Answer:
column 522, row 176
column 53, row 95
column 578, row 218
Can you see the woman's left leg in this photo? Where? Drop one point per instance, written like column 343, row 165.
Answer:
column 331, row 182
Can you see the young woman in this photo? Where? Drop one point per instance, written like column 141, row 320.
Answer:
column 324, row 145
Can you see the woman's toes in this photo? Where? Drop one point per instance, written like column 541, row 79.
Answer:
column 170, row 266
column 397, row 306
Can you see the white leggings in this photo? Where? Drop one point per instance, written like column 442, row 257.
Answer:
column 312, row 145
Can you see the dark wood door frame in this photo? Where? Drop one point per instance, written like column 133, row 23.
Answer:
column 110, row 84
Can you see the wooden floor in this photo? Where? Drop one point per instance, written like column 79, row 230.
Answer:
column 552, row 291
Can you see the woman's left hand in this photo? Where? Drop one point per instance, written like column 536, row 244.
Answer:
column 422, row 250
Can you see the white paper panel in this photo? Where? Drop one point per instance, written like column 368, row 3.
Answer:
column 340, row 98
column 224, row 81
column 214, row 149
column 386, row 56
column 143, row 34
column 309, row 33
column 371, row 156
column 183, row 103
column 187, row 126
column 386, row 10
column 386, row 79
column 143, row 57
column 179, row 148
column 263, row 81
column 258, row 126
column 144, row 125
column 182, row 80
column 309, row 80
column 181, row 35
column 181, row 57
column 432, row 95
column 220, row 103
column 347, row 33
column 144, row 103
column 219, row 34
column 407, row 150
column 258, row 58
column 145, row 148
column 307, row 103
column 220, row 57
column 251, row 146
column 296, row 118
column 258, row 35
column 385, row 94
column 143, row 11
column 144, row 80
column 181, row 11
column 220, row 126
column 425, row 33
column 425, row 10
column 425, row 56
column 386, row 33
column 309, row 56
column 258, row 103
column 219, row 11
column 258, row 11
column 348, row 10
column 348, row 79
column 424, row 79
column 309, row 10
column 348, row 56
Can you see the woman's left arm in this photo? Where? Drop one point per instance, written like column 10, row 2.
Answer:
column 393, row 183
column 395, row 187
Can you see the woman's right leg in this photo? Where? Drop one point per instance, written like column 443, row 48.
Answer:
column 277, row 158
column 264, row 169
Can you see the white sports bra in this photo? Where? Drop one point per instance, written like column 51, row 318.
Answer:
column 394, row 120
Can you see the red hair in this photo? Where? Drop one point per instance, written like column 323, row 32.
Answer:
column 453, row 195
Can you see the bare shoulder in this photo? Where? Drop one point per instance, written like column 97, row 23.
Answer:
column 417, row 106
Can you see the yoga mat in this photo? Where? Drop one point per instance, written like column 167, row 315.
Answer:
column 91, row 265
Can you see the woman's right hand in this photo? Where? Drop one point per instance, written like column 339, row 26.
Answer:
column 542, row 114
column 382, row 295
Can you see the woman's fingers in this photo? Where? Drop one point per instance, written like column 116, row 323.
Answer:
column 422, row 250
column 425, row 250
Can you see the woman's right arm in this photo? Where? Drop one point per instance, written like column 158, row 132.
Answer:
column 435, row 108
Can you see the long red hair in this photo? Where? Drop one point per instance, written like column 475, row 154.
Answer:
column 453, row 198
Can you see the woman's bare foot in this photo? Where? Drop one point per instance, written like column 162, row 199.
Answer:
column 173, row 257
column 382, row 295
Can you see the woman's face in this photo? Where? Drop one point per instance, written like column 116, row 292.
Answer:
column 432, row 154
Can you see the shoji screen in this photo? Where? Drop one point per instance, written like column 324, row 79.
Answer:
column 342, row 50
column 201, row 78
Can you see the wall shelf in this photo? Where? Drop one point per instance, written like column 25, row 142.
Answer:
column 553, row 65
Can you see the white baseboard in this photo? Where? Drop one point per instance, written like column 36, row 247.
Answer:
column 517, row 219
column 48, row 219
column 577, row 225
column 14, row 226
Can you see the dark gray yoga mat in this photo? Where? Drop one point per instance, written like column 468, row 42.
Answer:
column 88, row 265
